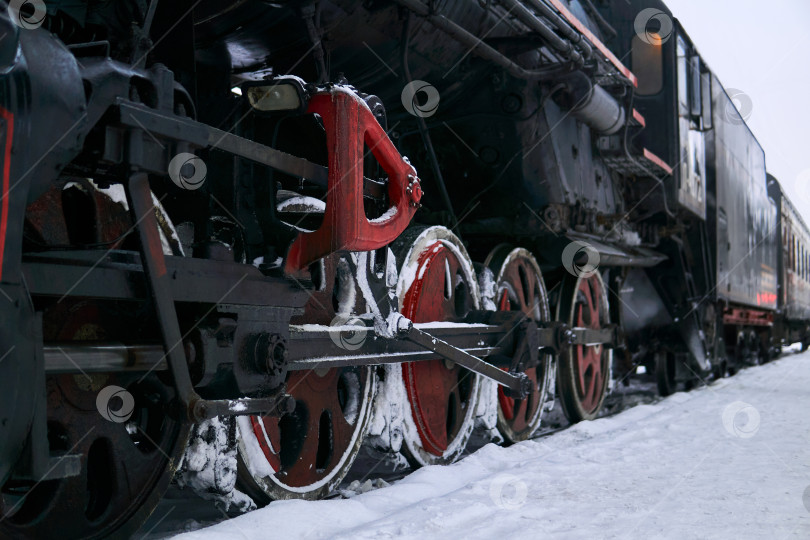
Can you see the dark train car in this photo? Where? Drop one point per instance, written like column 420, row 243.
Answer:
column 793, row 270
column 743, row 232
column 745, row 242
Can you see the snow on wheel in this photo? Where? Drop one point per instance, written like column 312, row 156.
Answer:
column 436, row 283
column 307, row 453
column 519, row 287
column 583, row 371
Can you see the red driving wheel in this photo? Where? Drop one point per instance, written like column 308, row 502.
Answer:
column 307, row 453
column 304, row 448
column 442, row 395
column 584, row 370
column 519, row 287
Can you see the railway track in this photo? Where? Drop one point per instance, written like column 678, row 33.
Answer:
column 183, row 510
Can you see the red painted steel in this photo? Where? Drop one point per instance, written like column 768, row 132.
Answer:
column 349, row 123
column 588, row 358
column 639, row 118
column 518, row 413
column 658, row 161
column 8, row 120
column 437, row 398
column 582, row 29
column 317, row 398
column 748, row 317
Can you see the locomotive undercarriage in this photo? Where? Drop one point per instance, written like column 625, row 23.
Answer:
column 223, row 332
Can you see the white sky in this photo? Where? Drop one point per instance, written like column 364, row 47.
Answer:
column 763, row 49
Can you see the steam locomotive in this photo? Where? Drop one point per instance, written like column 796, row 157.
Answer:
column 240, row 242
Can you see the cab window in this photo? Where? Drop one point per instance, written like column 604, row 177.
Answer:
column 683, row 79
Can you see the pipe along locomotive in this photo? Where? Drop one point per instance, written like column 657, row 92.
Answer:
column 218, row 264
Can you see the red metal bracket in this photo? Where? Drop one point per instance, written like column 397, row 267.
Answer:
column 747, row 317
column 349, row 123
column 7, row 124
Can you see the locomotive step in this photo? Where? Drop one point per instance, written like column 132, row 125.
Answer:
column 631, row 166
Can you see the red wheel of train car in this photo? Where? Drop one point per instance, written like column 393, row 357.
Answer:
column 307, row 453
column 583, row 370
column 519, row 286
column 116, row 423
column 437, row 283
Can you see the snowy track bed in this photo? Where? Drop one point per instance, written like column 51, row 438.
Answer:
column 731, row 460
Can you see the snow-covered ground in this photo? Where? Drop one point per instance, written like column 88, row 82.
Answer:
column 731, row 460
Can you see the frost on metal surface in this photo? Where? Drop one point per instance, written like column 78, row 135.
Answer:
column 489, row 289
column 301, row 204
column 433, row 239
column 385, row 431
column 389, row 214
column 209, row 464
column 346, row 289
column 486, row 412
column 255, row 460
column 385, row 325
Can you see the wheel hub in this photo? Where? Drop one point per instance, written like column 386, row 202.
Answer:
column 305, row 454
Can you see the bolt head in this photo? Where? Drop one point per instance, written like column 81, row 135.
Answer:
column 286, row 405
column 414, row 190
column 200, row 410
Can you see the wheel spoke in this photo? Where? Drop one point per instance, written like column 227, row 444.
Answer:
column 441, row 395
column 523, row 290
column 584, row 368
column 120, row 470
column 314, row 447
column 504, row 304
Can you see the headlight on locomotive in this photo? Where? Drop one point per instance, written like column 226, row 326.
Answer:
column 282, row 94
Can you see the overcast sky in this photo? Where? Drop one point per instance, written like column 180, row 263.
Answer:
column 763, row 49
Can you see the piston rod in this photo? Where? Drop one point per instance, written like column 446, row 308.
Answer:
column 108, row 357
column 94, row 357
column 517, row 384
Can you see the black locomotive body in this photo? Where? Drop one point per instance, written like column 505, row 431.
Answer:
column 286, row 230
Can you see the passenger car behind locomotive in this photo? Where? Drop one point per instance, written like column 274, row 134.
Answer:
column 209, row 229
column 793, row 271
